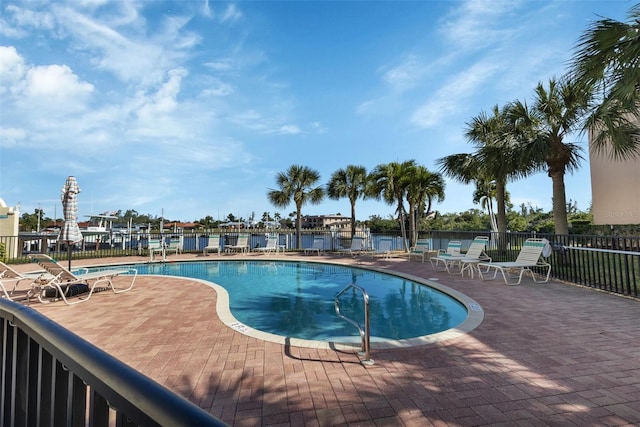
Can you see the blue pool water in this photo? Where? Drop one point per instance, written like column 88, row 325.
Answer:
column 296, row 299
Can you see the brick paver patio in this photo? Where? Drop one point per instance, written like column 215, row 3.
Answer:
column 545, row 354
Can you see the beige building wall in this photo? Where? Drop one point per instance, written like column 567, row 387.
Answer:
column 615, row 189
column 9, row 226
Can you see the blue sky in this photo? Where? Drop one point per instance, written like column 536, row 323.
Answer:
column 191, row 107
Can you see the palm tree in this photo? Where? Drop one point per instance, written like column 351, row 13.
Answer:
column 484, row 194
column 607, row 62
column 351, row 183
column 389, row 182
column 496, row 158
column 298, row 183
column 467, row 168
column 555, row 113
column 424, row 186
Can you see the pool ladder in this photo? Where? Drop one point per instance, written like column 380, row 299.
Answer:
column 364, row 332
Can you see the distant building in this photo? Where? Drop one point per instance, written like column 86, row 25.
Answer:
column 336, row 221
column 178, row 226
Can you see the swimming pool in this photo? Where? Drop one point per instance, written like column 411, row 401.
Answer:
column 296, row 299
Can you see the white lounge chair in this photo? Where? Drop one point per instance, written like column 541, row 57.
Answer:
column 155, row 246
column 529, row 258
column 384, row 247
column 357, row 246
column 447, row 257
column 421, row 248
column 9, row 276
column 474, row 255
column 242, row 244
column 60, row 283
column 212, row 245
column 317, row 246
column 271, row 246
column 174, row 245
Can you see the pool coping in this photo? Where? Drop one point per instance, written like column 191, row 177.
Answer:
column 473, row 320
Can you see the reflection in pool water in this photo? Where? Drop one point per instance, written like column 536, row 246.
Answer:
column 296, row 299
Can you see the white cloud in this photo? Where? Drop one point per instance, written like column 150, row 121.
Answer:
column 318, row 128
column 221, row 65
column 10, row 137
column 407, row 74
column 452, row 96
column 214, row 87
column 56, row 82
column 289, row 130
column 174, row 31
column 476, row 24
column 40, row 20
column 206, row 10
column 222, row 89
column 164, row 100
column 365, row 106
column 46, row 91
column 231, row 13
column 12, row 67
column 124, row 48
column 256, row 121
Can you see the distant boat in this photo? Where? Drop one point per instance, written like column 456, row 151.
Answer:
column 97, row 232
column 235, row 224
column 99, row 223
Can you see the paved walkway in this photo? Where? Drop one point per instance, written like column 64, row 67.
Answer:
column 545, row 354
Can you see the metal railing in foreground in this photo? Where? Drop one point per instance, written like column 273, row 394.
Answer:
column 51, row 376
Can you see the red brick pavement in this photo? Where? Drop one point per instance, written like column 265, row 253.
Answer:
column 545, row 354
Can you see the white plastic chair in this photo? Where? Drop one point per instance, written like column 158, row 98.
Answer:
column 317, row 246
column 271, row 246
column 447, row 257
column 421, row 249
column 212, row 245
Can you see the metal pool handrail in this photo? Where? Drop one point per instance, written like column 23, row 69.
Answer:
column 365, row 333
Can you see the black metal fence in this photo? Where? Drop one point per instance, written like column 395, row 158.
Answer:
column 52, row 377
column 610, row 263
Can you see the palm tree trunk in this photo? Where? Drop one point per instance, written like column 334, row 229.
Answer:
column 416, row 225
column 412, row 224
column 501, row 208
column 403, row 227
column 492, row 215
column 559, row 203
column 403, row 230
column 501, row 214
column 353, row 220
column 299, row 228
